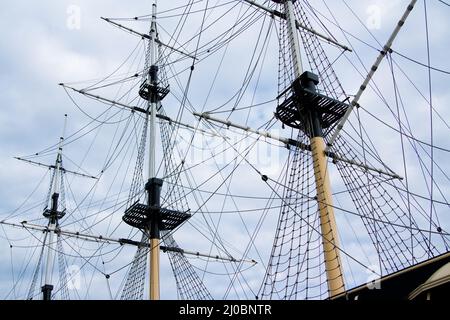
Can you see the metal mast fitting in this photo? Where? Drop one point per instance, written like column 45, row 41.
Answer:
column 151, row 217
column 311, row 112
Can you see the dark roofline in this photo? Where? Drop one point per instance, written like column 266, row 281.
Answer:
column 399, row 284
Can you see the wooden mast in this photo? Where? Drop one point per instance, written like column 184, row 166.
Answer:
column 327, row 219
column 151, row 188
column 324, row 195
column 151, row 218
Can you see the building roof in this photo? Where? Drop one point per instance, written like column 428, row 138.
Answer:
column 405, row 284
column 438, row 279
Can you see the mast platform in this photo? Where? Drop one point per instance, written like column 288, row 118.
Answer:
column 151, row 89
column 147, row 91
column 294, row 111
column 143, row 216
column 140, row 216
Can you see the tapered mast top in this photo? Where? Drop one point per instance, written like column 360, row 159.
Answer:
column 58, row 165
column 152, row 80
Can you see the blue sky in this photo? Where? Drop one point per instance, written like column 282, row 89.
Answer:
column 40, row 48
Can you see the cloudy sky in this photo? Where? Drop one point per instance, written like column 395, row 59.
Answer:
column 47, row 42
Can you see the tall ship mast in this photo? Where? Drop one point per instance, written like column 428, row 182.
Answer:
column 230, row 127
